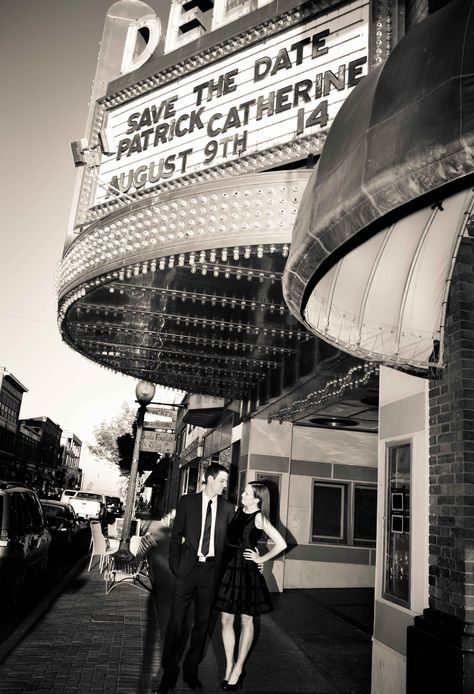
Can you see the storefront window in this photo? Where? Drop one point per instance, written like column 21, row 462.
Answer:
column 328, row 512
column 344, row 512
column 365, row 514
column 397, row 525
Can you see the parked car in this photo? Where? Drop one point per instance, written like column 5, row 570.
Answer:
column 61, row 520
column 88, row 505
column 66, row 495
column 24, row 539
column 114, row 506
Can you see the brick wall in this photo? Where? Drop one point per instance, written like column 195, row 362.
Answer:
column 451, row 540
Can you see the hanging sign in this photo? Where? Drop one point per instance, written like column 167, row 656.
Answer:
column 157, row 441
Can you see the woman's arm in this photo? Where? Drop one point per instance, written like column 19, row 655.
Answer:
column 279, row 543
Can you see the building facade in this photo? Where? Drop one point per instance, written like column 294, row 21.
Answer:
column 199, row 162
column 70, row 453
column 11, row 394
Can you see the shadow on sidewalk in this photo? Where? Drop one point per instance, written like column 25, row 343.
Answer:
column 314, row 641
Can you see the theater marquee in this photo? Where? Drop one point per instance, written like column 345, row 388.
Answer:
column 279, row 90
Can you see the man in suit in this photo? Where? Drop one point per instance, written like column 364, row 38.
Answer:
column 196, row 547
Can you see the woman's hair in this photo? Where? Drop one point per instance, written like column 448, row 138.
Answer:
column 263, row 495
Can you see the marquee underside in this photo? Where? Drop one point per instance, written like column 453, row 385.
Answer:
column 197, row 307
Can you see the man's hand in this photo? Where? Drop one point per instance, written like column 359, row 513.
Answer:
column 253, row 555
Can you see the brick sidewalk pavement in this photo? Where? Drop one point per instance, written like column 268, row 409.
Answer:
column 96, row 644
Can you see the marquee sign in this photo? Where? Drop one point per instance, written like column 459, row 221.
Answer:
column 285, row 87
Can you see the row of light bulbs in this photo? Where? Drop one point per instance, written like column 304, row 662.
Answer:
column 96, row 250
column 356, row 376
column 177, row 375
column 194, row 370
column 201, row 297
column 210, row 341
column 142, row 268
column 276, row 331
column 251, row 364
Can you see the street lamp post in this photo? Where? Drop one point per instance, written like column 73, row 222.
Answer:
column 144, row 392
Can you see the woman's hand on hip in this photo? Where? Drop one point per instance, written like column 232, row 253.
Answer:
column 253, row 555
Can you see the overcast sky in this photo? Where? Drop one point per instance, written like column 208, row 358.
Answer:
column 48, row 51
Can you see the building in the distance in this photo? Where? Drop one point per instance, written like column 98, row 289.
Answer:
column 49, row 473
column 11, row 394
column 70, row 454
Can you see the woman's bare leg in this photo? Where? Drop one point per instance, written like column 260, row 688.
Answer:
column 228, row 637
column 246, row 638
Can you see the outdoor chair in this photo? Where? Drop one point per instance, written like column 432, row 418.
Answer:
column 136, row 571
column 99, row 546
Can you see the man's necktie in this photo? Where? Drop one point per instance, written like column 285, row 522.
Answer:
column 206, row 536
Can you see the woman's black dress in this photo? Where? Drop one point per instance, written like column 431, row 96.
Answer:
column 242, row 587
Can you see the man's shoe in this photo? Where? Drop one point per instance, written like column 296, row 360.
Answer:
column 193, row 682
column 161, row 689
column 164, row 687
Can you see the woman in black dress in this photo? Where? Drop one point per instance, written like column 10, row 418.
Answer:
column 242, row 588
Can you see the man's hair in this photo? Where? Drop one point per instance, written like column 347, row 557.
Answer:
column 213, row 470
column 263, row 495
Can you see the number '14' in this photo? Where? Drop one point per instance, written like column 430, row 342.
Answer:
column 318, row 117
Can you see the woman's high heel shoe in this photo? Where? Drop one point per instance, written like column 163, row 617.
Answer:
column 233, row 687
column 224, row 684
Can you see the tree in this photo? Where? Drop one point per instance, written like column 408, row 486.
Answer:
column 107, row 432
column 125, row 445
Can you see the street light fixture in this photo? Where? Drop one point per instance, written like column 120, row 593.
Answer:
column 144, row 392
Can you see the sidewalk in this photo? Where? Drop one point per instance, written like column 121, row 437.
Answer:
column 93, row 644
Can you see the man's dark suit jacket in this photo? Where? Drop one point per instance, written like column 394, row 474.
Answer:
column 186, row 532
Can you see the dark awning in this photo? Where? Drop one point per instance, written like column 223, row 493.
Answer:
column 402, row 141
column 203, row 411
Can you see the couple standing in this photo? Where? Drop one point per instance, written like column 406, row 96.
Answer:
column 215, row 562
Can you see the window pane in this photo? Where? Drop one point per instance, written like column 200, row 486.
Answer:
column 397, row 530
column 365, row 513
column 328, row 506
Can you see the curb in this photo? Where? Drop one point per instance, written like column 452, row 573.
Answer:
column 22, row 629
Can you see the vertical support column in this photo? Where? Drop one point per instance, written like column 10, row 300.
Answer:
column 266, row 452
column 440, row 655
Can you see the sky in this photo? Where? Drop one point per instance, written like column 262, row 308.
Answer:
column 48, row 52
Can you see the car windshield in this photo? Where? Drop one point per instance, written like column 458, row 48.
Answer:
column 52, row 511
column 88, row 495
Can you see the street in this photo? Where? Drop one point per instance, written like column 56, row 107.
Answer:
column 61, row 561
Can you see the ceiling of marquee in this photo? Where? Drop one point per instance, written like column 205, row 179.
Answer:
column 215, row 330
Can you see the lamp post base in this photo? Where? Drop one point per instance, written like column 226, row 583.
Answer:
column 123, row 553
